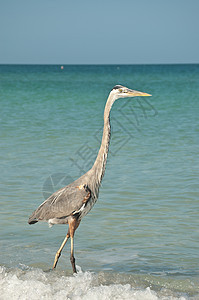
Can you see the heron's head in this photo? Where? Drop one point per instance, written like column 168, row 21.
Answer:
column 120, row 91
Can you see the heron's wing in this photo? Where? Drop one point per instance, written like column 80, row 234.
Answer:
column 63, row 203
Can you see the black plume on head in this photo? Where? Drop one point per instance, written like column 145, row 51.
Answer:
column 117, row 87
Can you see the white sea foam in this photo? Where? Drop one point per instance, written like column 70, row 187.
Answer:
column 37, row 284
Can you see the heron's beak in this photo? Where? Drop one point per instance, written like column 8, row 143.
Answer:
column 132, row 93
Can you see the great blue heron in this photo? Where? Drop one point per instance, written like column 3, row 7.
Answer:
column 71, row 203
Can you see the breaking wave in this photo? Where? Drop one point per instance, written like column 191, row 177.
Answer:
column 32, row 283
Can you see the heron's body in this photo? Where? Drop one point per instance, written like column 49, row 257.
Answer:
column 71, row 203
column 76, row 199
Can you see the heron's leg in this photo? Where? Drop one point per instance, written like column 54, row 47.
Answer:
column 58, row 254
column 72, row 227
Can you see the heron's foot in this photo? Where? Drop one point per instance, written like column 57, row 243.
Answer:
column 57, row 256
column 72, row 259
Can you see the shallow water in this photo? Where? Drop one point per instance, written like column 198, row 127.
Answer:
column 145, row 226
column 29, row 283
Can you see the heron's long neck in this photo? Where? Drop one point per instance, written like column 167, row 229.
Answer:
column 100, row 163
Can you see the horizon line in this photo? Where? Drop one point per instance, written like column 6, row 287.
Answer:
column 97, row 64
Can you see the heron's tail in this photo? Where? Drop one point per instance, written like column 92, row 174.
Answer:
column 32, row 221
column 36, row 215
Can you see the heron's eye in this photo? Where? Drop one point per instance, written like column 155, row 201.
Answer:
column 120, row 90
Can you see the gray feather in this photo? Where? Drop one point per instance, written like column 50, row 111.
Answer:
column 62, row 203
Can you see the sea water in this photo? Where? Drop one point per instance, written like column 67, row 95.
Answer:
column 141, row 239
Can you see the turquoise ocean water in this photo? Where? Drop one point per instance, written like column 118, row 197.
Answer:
column 141, row 239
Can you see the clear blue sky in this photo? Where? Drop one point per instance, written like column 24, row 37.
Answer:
column 99, row 32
